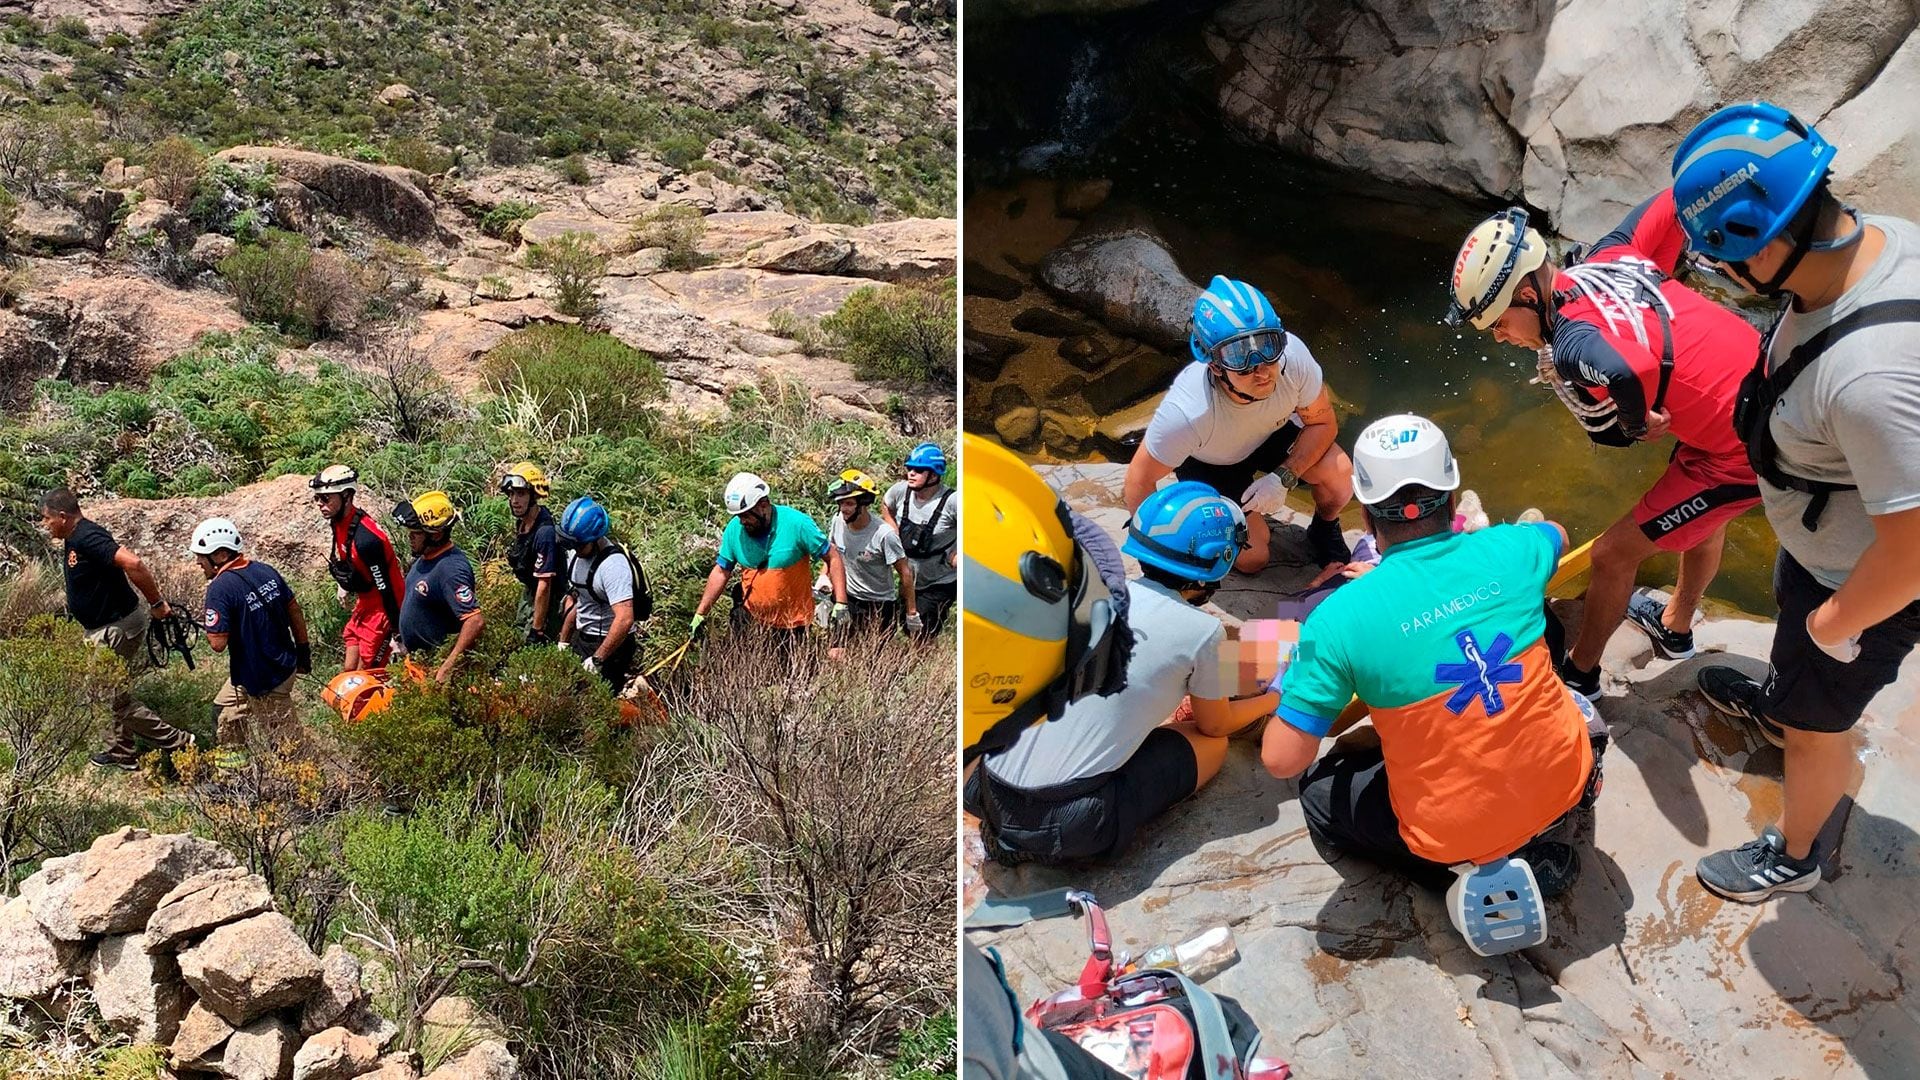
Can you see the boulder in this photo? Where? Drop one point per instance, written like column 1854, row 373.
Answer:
column 39, row 227
column 1050, row 323
column 32, row 961
column 734, row 235
column 154, row 218
column 139, row 992
column 1015, row 419
column 911, row 249
column 489, row 1060
column 48, row 892
column 245, row 969
column 202, row 1036
column 1078, row 198
column 262, row 1050
column 392, row 199
column 710, row 195
column 454, row 1020
column 814, row 253
column 1125, row 277
column 395, row 94
column 209, row 249
column 123, row 881
column 106, row 330
column 335, row 1054
column 610, row 235
column 274, row 515
column 990, row 284
column 339, row 991
column 205, row 901
column 623, row 193
column 986, row 354
column 396, row 1067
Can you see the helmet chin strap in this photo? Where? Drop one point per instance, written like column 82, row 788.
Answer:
column 1803, row 226
column 1234, row 392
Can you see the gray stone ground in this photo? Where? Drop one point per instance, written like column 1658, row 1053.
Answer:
column 1352, row 973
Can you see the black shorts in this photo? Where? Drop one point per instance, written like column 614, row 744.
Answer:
column 1094, row 818
column 1232, row 480
column 1809, row 690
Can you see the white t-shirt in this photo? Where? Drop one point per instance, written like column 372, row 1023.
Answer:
column 1197, row 420
column 936, row 570
column 614, row 580
column 869, row 555
column 1176, row 652
column 1853, row 417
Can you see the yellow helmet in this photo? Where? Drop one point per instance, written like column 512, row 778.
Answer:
column 852, row 484
column 428, row 510
column 1496, row 255
column 1042, row 622
column 526, row 475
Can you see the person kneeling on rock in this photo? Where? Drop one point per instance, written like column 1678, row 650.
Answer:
column 1081, row 786
column 253, row 617
column 1253, row 403
column 1481, row 748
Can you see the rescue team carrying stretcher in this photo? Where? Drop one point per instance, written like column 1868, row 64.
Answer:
column 890, row 569
column 1488, row 735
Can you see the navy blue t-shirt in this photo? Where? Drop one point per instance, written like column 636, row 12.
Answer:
column 535, row 554
column 440, row 595
column 247, row 602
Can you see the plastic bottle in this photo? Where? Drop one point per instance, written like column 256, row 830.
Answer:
column 1206, row 955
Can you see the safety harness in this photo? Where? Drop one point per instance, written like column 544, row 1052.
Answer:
column 1761, row 391
column 1620, row 290
column 917, row 536
column 642, row 595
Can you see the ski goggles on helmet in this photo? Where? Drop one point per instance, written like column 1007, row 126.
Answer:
column 1244, row 352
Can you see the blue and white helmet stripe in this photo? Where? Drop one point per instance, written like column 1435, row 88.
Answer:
column 1228, row 308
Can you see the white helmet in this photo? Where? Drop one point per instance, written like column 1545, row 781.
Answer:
column 744, row 492
column 1496, row 255
column 334, row 479
column 1400, row 450
column 214, row 534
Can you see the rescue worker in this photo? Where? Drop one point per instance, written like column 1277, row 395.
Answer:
column 534, row 554
column 1635, row 356
column 772, row 550
column 1481, row 748
column 1252, row 419
column 105, row 584
column 363, row 563
column 872, row 557
column 1082, row 786
column 607, row 595
column 442, row 600
column 251, row 615
column 1035, row 644
column 1831, row 422
column 926, row 514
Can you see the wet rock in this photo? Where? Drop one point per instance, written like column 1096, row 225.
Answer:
column 125, row 879
column 1085, row 353
column 1015, row 418
column 392, row 199
column 1125, row 277
column 489, row 1060
column 1064, row 434
column 990, row 284
column 335, row 1054
column 1141, row 375
column 1078, row 198
column 32, row 961
column 1049, row 323
column 139, row 993
column 48, row 892
column 203, row 902
column 245, row 969
column 986, row 353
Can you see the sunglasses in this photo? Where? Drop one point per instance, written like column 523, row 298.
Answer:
column 1251, row 350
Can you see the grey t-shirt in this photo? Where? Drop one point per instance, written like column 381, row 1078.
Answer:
column 1198, row 420
column 1853, row 417
column 1176, row 652
column 614, row 580
column 933, row 571
column 869, row 555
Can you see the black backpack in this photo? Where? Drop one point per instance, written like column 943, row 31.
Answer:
column 917, row 537
column 642, row 595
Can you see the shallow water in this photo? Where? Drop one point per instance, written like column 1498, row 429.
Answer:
column 1359, row 276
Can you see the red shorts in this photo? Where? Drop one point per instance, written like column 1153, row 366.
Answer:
column 1695, row 496
column 368, row 629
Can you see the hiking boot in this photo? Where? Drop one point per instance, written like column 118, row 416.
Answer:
column 1326, row 545
column 1757, row 869
column 1645, row 611
column 123, row 762
column 1585, row 683
column 1555, row 865
column 1738, row 696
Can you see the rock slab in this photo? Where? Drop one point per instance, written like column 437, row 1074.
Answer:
column 245, row 969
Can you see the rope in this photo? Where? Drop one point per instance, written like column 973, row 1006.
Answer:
column 1591, row 416
column 171, row 634
column 1620, row 290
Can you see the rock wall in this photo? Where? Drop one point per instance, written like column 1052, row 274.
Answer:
column 182, row 948
column 1573, row 107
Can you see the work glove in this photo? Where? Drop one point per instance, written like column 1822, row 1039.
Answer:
column 303, row 657
column 696, row 627
column 537, row 636
column 340, row 594
column 1268, row 495
column 591, row 665
column 1844, row 651
column 841, row 616
column 563, row 646
column 914, row 623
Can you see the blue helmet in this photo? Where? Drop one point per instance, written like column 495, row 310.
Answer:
column 1741, row 176
column 583, row 521
column 1228, row 310
column 928, row 456
column 1189, row 530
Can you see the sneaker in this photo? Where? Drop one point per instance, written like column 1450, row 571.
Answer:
column 1738, row 696
column 1555, row 865
column 1585, row 683
column 1757, row 869
column 1325, row 542
column 1645, row 611
column 115, row 761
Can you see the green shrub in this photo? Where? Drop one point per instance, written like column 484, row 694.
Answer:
column 576, row 263
column 419, row 155
column 504, row 220
column 676, row 227
column 54, row 690
column 806, row 332
column 902, row 331
column 234, row 200
column 284, row 283
column 573, row 169
column 679, row 149
column 580, row 378
column 175, row 167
